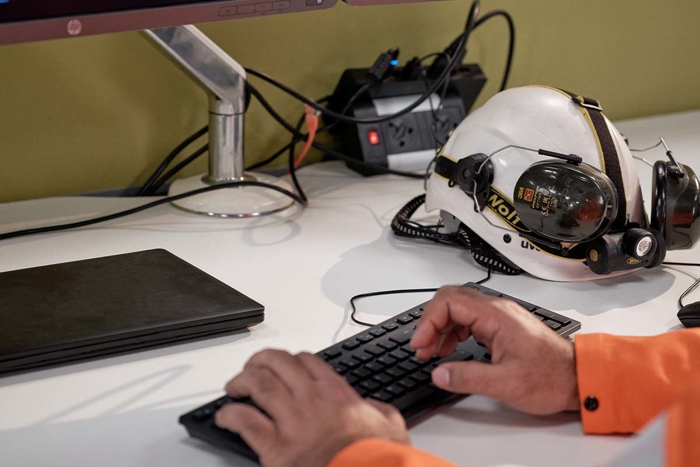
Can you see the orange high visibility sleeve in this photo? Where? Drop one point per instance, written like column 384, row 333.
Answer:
column 375, row 452
column 683, row 428
column 624, row 382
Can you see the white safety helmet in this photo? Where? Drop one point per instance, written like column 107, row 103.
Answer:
column 507, row 132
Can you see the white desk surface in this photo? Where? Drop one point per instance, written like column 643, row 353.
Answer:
column 303, row 266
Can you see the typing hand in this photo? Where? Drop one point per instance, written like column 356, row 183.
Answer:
column 532, row 369
column 311, row 413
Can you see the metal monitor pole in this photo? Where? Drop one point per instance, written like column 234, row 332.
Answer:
column 224, row 81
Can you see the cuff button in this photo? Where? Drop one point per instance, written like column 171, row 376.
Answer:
column 591, row 403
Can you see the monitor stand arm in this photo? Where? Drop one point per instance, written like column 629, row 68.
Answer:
column 224, row 81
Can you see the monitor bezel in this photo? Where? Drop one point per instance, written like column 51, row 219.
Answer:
column 140, row 19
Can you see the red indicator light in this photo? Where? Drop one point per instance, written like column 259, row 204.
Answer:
column 373, row 137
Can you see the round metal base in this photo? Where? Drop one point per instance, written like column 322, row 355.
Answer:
column 244, row 201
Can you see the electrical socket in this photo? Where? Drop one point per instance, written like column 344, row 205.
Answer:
column 402, row 135
column 447, row 119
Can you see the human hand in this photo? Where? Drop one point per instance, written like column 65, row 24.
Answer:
column 311, row 412
column 532, row 370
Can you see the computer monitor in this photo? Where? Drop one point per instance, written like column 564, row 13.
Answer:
column 35, row 20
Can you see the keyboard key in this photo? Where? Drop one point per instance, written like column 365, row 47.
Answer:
column 331, row 354
column 366, row 338
column 404, row 320
column 563, row 320
column 407, row 348
column 374, row 367
column 378, row 332
column 399, row 355
column 202, row 414
column 458, row 356
column 395, row 390
column 222, row 402
column 391, row 326
column 341, row 370
column 402, row 339
column 408, row 383
column 383, row 378
column 552, row 324
column 413, row 397
column 351, row 345
column 417, row 362
column 421, row 377
column 350, row 363
column 364, row 357
column 382, row 396
column 362, row 392
column 388, row 345
column 375, row 350
column 416, row 314
column 370, row 385
column 361, row 373
column 408, row 366
column 395, row 372
column 386, row 360
column 352, row 380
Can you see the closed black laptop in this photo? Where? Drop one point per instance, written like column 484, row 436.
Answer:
column 84, row 309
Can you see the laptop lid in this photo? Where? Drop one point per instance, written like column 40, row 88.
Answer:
column 120, row 302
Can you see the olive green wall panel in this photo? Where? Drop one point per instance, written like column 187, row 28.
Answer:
column 98, row 113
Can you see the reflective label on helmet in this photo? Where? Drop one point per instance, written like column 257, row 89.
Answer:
column 500, row 205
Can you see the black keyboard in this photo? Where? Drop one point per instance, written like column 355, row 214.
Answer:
column 379, row 364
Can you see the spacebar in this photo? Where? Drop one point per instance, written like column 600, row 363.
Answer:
column 414, row 397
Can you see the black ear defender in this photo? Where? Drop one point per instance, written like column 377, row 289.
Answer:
column 566, row 202
column 675, row 205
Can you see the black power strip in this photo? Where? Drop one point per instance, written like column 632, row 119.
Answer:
column 408, row 142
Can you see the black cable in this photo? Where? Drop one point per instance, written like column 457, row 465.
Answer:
column 485, row 279
column 692, row 287
column 344, row 118
column 425, row 57
column 300, row 123
column 680, row 264
column 511, row 45
column 270, row 159
column 444, row 75
column 394, row 292
column 173, row 154
column 376, row 294
column 169, row 174
column 321, row 147
column 687, row 291
column 363, row 89
column 292, row 166
column 169, row 199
